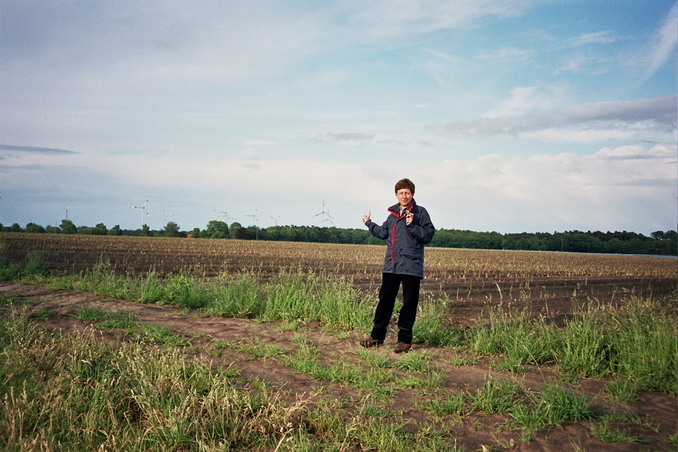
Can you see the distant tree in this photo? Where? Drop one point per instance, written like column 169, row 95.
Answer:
column 145, row 231
column 115, row 230
column 635, row 246
column 669, row 243
column 271, row 233
column 35, row 228
column 614, row 246
column 217, row 230
column 253, row 232
column 171, row 229
column 67, row 227
column 287, row 233
column 52, row 230
column 100, row 229
column 85, row 230
column 242, row 234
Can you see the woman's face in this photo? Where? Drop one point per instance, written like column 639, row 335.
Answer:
column 404, row 196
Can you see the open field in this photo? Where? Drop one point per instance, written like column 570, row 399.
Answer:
column 547, row 283
column 314, row 388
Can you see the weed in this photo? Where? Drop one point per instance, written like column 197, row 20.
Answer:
column 454, row 403
column 9, row 300
column 604, row 431
column 495, row 396
column 622, row 391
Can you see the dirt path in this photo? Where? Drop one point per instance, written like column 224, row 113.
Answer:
column 57, row 309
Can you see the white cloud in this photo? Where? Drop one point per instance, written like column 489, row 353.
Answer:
column 389, row 18
column 612, row 189
column 587, row 123
column 663, row 43
column 629, row 187
column 573, row 64
column 522, row 100
column 600, row 37
column 507, row 54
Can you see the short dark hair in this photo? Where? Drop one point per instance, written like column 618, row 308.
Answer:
column 404, row 183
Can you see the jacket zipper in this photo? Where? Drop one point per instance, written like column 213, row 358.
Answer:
column 393, row 235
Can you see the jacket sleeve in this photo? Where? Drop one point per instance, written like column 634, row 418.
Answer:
column 422, row 229
column 380, row 232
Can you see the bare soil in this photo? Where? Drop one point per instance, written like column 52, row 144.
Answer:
column 56, row 309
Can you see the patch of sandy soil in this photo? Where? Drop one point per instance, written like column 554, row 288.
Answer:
column 57, row 309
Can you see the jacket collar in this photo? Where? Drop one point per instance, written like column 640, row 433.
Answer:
column 395, row 208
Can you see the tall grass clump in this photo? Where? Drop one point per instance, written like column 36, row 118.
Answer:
column 637, row 341
column 31, row 266
column 73, row 393
column 291, row 296
column 102, row 279
column 433, row 325
column 586, row 344
column 307, row 297
column 239, row 295
column 554, row 406
column 183, row 290
column 513, row 334
column 646, row 344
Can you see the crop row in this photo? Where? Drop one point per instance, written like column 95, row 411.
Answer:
column 210, row 256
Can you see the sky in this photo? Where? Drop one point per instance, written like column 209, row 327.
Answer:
column 509, row 116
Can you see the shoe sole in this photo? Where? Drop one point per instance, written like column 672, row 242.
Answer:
column 371, row 344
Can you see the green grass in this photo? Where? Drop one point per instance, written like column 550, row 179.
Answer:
column 127, row 323
column 604, row 430
column 638, row 341
column 74, row 392
column 12, row 271
column 495, row 396
column 145, row 394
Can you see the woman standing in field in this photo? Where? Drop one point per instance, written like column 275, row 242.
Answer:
column 408, row 228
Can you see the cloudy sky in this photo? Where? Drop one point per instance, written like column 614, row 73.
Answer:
column 510, row 116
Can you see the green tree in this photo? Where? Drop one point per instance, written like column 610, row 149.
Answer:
column 34, row 228
column 115, row 230
column 217, row 230
column 67, row 227
column 171, row 229
column 100, row 229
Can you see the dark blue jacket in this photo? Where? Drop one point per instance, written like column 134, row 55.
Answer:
column 405, row 244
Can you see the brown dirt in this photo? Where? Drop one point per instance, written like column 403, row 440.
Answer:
column 57, row 308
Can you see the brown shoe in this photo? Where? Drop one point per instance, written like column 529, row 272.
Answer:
column 402, row 347
column 369, row 342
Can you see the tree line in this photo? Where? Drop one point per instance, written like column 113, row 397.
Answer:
column 658, row 243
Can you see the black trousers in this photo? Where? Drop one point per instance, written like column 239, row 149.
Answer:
column 387, row 295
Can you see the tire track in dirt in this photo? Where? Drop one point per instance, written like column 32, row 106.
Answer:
column 202, row 333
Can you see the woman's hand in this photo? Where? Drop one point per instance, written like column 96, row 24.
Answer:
column 367, row 217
